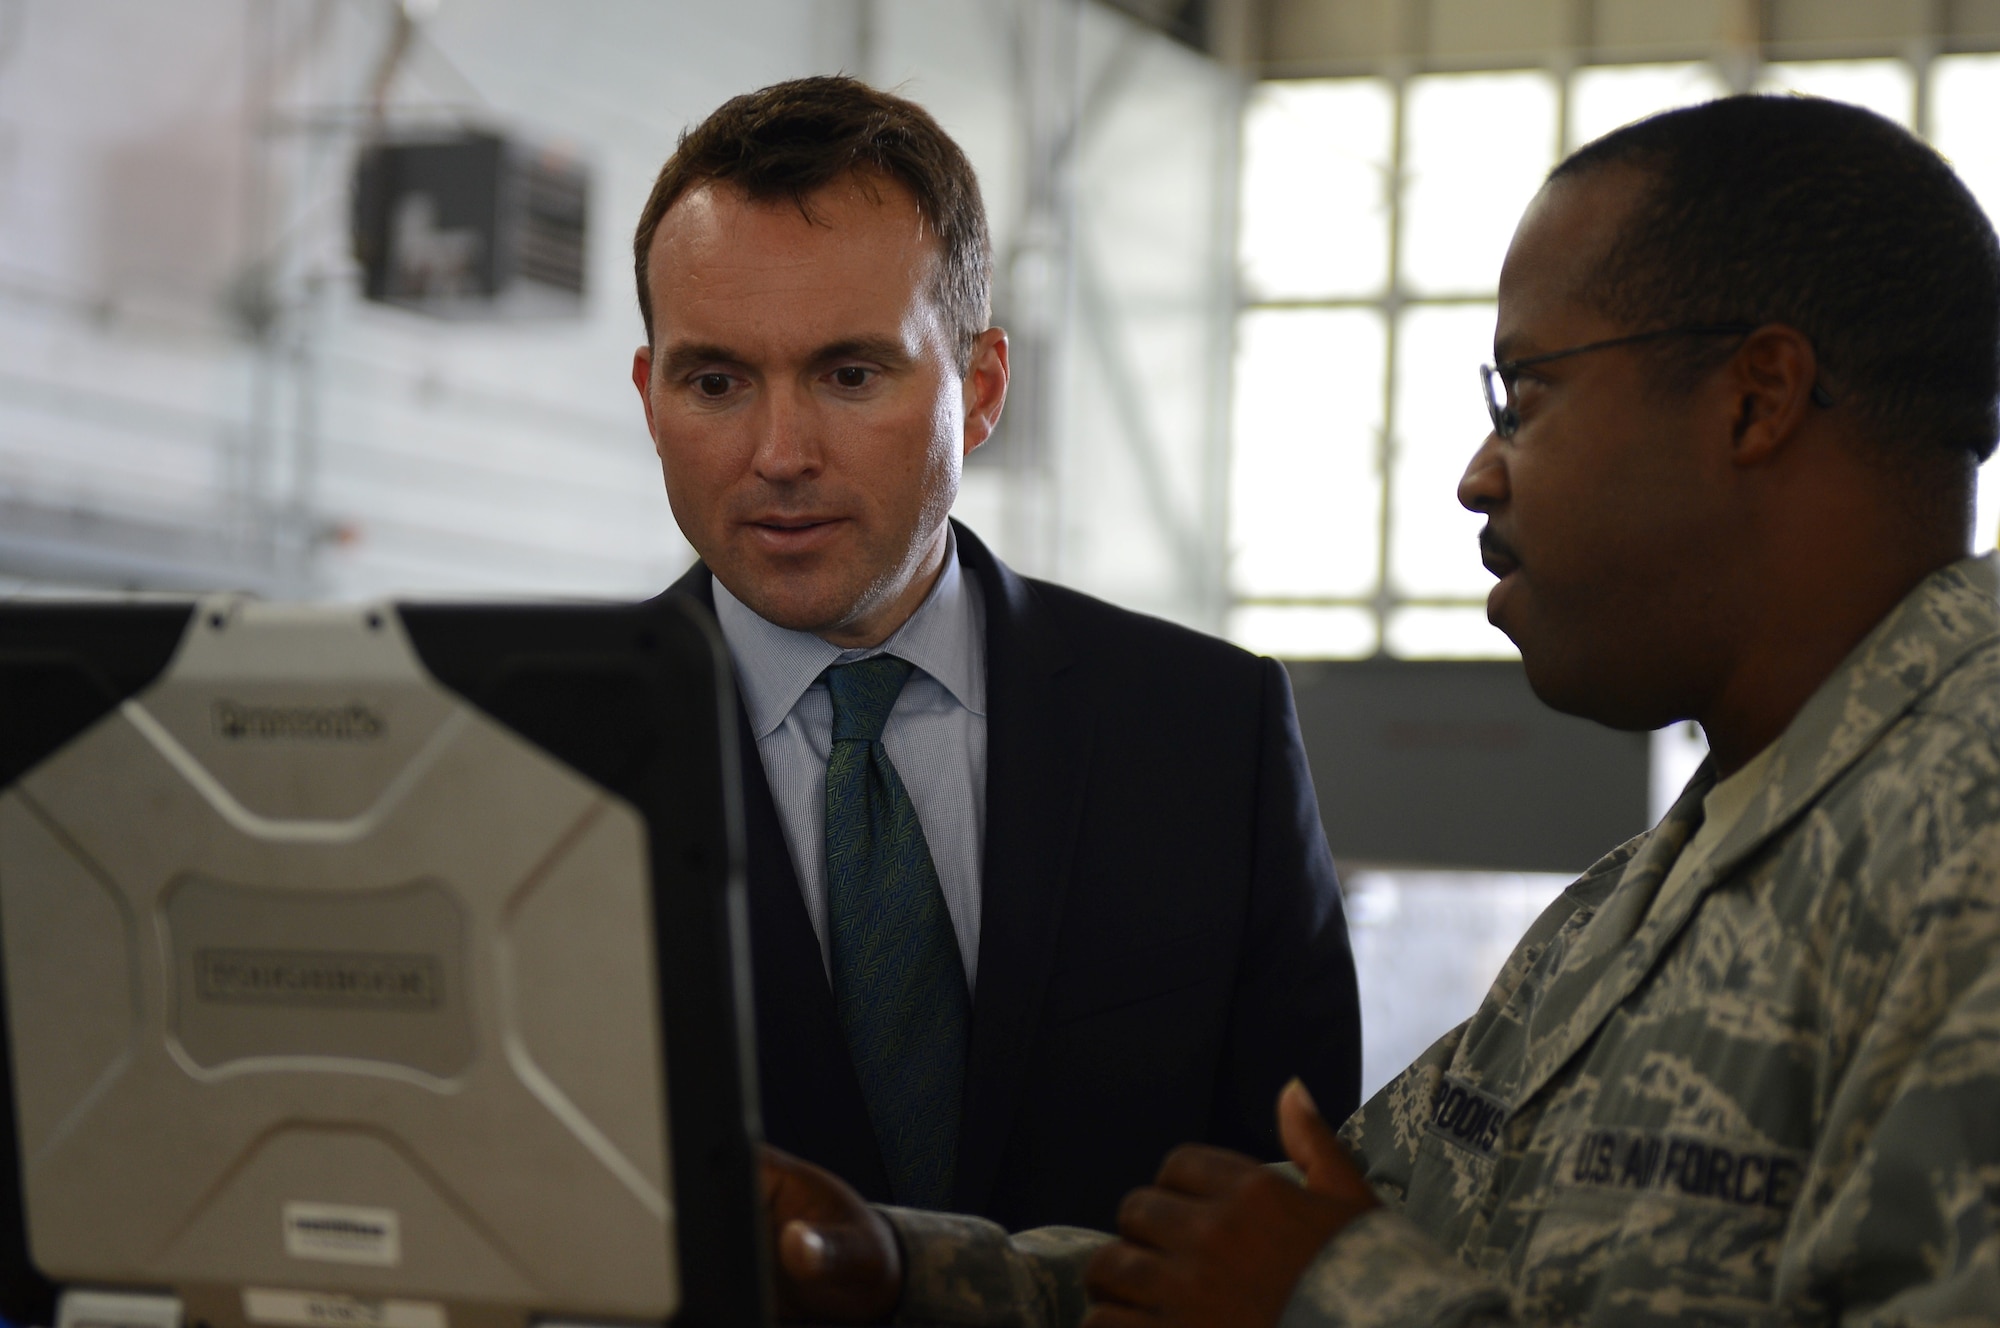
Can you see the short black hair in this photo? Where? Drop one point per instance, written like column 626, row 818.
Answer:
column 792, row 139
column 1832, row 220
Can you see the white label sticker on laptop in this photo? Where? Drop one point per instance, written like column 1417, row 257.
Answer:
column 314, row 1309
column 343, row 1234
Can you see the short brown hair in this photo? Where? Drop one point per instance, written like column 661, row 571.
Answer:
column 792, row 139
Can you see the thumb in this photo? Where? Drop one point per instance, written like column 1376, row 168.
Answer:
column 837, row 1257
column 814, row 1253
column 1310, row 1143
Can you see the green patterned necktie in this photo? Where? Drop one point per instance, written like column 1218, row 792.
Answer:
column 898, row 983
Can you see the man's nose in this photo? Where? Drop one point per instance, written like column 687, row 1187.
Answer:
column 788, row 447
column 1483, row 486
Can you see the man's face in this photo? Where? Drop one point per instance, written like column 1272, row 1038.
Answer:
column 1607, row 518
column 805, row 401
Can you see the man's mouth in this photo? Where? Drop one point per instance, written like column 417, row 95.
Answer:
column 1495, row 554
column 790, row 522
column 792, row 532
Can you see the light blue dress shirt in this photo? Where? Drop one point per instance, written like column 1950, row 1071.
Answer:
column 936, row 736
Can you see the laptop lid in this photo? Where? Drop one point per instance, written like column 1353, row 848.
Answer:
column 375, row 964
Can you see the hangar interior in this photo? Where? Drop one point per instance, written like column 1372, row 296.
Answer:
column 1245, row 251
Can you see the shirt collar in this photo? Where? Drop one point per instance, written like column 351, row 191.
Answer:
column 775, row 666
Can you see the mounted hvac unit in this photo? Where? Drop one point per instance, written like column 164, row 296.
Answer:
column 472, row 225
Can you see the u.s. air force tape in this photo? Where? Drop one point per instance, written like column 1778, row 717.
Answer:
column 1626, row 1159
column 1467, row 1117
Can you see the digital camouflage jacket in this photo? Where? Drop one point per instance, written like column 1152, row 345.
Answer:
column 1769, row 1097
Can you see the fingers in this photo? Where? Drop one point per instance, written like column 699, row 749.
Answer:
column 837, row 1273
column 795, row 1189
column 1124, row 1275
column 830, row 1253
column 1226, row 1258
column 806, row 1252
column 838, row 1261
column 1311, row 1143
column 1154, row 1217
column 1119, row 1316
column 1201, row 1170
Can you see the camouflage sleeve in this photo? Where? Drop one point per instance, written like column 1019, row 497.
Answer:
column 1904, row 1201
column 968, row 1271
column 1383, row 1270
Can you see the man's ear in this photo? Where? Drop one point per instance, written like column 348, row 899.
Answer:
column 642, row 378
column 985, row 386
column 1771, row 380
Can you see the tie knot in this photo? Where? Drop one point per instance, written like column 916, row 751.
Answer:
column 864, row 693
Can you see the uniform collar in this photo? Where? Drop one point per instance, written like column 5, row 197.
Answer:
column 1949, row 614
column 775, row 665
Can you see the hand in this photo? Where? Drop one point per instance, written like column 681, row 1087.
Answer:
column 837, row 1258
column 1220, row 1240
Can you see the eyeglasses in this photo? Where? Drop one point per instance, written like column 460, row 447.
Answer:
column 1498, row 379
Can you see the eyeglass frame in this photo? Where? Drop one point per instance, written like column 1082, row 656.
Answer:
column 1507, row 420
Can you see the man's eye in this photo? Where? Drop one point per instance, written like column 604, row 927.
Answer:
column 851, row 375
column 712, row 385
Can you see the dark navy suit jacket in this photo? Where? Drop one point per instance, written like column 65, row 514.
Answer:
column 1161, row 944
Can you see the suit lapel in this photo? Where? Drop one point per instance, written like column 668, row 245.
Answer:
column 812, row 1103
column 1038, row 739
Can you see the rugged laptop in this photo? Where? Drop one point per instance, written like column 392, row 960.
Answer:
column 372, row 965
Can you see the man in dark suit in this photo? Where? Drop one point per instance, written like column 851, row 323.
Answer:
column 1037, row 886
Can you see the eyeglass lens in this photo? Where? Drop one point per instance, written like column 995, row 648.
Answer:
column 1498, row 408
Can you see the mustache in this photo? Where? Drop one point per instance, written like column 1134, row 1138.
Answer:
column 1493, row 549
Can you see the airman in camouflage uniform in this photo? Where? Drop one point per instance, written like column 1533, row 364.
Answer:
column 1747, row 1069
column 1767, row 1094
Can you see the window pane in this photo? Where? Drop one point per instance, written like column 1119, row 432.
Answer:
column 1426, row 947
column 1965, row 108
column 1601, row 100
column 1440, row 420
column 1315, row 188
column 1303, row 631
column 1883, row 86
column 1431, row 633
column 1677, row 751
column 1305, row 490
column 1475, row 149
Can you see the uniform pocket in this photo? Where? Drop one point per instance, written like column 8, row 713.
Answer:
column 1642, row 1226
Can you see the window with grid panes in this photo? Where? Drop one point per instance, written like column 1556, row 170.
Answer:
column 1374, row 216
